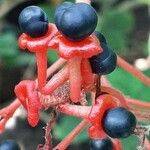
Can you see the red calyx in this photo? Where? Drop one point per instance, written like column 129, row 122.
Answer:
column 68, row 49
column 28, row 96
column 39, row 43
column 103, row 103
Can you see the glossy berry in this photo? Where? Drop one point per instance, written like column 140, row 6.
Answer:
column 105, row 62
column 9, row 145
column 76, row 20
column 33, row 21
column 101, row 144
column 119, row 122
column 101, row 37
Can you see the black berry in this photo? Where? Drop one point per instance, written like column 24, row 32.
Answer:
column 76, row 20
column 105, row 62
column 101, row 37
column 9, row 145
column 101, row 144
column 33, row 21
column 119, row 122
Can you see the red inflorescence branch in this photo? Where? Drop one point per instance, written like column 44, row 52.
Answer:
column 7, row 112
column 147, row 144
column 135, row 72
column 137, row 103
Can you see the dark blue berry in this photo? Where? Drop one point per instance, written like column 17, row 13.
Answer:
column 119, row 122
column 105, row 62
column 33, row 21
column 101, row 37
column 101, row 144
column 76, row 20
column 9, row 145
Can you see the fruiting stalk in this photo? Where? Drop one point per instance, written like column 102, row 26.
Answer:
column 75, row 78
column 75, row 110
column 147, row 144
column 7, row 112
column 87, row 75
column 137, row 103
column 41, row 58
column 117, row 144
column 135, row 72
column 55, row 66
column 57, row 80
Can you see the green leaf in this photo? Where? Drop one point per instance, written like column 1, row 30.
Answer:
column 8, row 45
column 118, row 42
column 52, row 56
column 147, row 2
column 21, row 60
column 129, row 84
column 118, row 20
column 130, row 143
column 66, row 125
column 116, row 25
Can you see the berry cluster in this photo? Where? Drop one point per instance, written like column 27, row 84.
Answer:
column 88, row 57
column 9, row 145
column 86, row 51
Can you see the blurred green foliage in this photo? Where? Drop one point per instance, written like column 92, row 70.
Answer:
column 130, row 85
column 116, row 26
column 9, row 52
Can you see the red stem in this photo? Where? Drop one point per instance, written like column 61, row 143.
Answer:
column 87, row 75
column 142, row 116
column 147, row 144
column 105, row 82
column 7, row 112
column 55, row 66
column 75, row 110
column 145, row 114
column 67, row 140
column 41, row 58
column 129, row 101
column 75, row 79
column 13, row 106
column 115, row 94
column 117, row 144
column 129, row 68
column 57, row 80
column 138, row 103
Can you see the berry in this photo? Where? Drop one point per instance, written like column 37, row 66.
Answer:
column 119, row 122
column 33, row 21
column 105, row 62
column 76, row 20
column 101, row 144
column 9, row 145
column 101, row 37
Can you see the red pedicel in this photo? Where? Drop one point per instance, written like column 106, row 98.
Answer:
column 87, row 76
column 39, row 45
